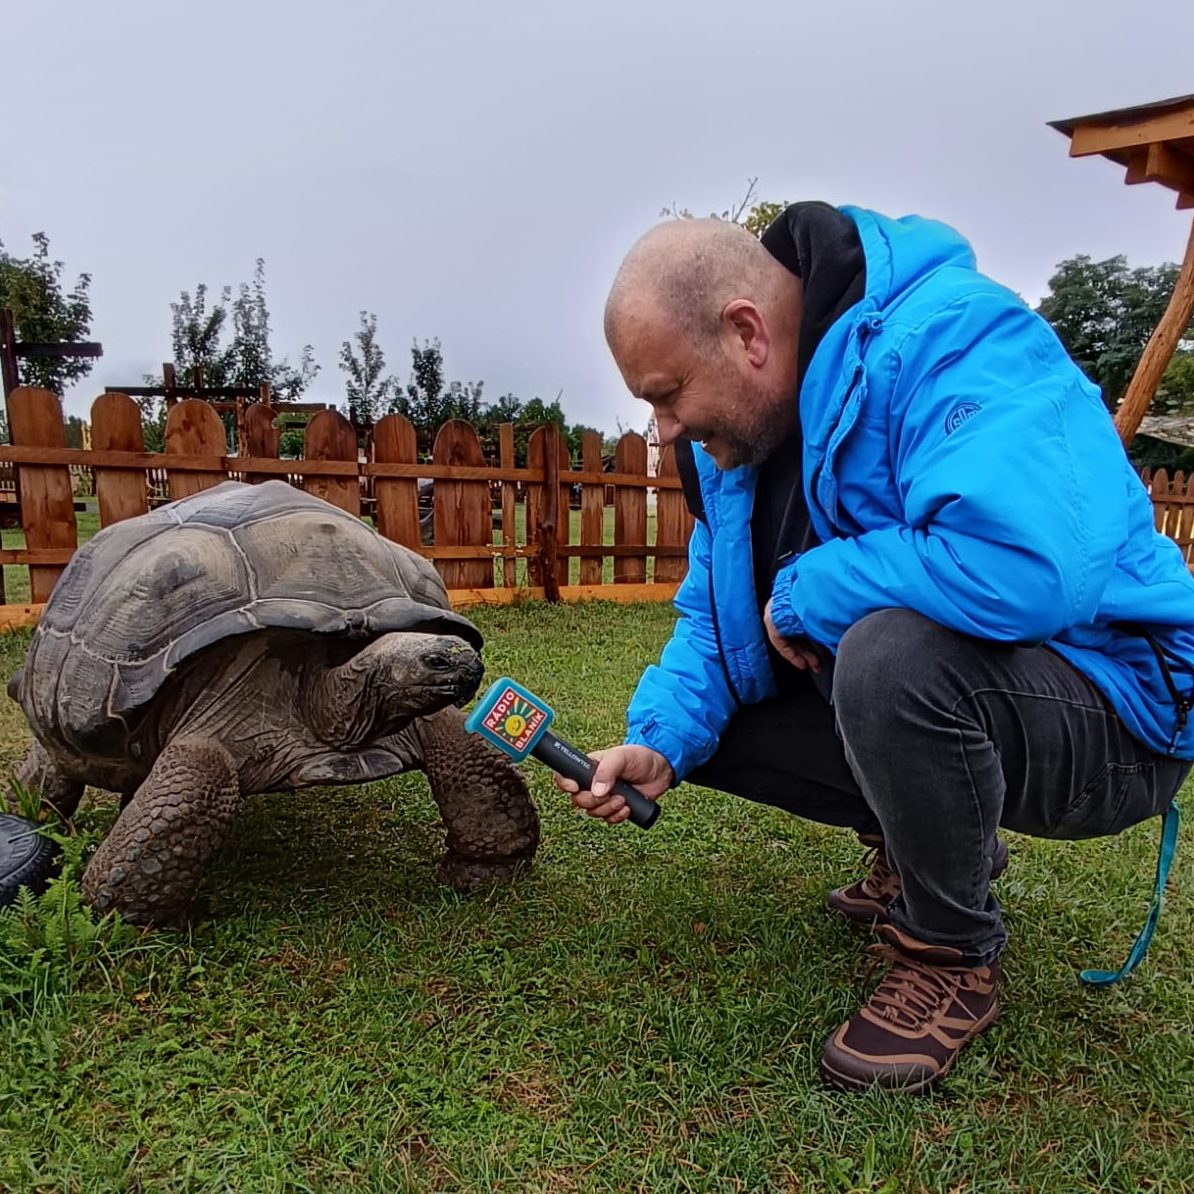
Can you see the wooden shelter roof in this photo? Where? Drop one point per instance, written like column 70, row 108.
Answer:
column 1153, row 142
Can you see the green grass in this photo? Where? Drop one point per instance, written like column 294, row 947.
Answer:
column 640, row 1012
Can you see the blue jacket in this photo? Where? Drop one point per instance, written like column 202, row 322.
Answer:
column 956, row 462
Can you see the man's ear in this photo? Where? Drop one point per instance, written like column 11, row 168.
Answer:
column 744, row 322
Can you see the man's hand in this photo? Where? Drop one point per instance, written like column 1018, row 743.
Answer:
column 641, row 766
column 798, row 652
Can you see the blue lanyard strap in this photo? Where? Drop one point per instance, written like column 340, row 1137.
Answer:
column 1169, row 828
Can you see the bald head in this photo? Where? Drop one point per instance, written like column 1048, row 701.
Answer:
column 686, row 271
column 704, row 324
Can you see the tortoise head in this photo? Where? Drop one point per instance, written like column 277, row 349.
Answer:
column 388, row 683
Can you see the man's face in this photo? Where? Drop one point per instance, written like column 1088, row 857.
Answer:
column 737, row 411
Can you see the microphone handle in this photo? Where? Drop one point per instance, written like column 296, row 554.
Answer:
column 564, row 759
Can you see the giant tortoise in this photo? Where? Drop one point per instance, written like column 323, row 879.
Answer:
column 253, row 638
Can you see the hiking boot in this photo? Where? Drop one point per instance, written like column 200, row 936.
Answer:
column 866, row 901
column 911, row 1030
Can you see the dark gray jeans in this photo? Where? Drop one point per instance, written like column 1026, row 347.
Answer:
column 934, row 740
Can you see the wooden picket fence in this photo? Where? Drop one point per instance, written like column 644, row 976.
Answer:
column 128, row 481
column 1173, row 506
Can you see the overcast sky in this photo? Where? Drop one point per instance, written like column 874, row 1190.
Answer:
column 475, row 171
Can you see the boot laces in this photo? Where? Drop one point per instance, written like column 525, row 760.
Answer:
column 913, row 993
column 882, row 882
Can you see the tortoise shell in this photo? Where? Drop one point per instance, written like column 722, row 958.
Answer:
column 147, row 593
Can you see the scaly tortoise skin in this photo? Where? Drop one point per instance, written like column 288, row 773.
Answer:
column 253, row 638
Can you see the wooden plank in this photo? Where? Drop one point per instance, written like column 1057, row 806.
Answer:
column 630, row 511
column 673, row 524
column 509, row 496
column 329, row 436
column 222, row 463
column 9, row 366
column 1109, row 135
column 394, row 442
column 622, row 594
column 1137, row 165
column 116, row 426
column 80, row 458
column 1185, row 520
column 47, row 502
column 69, row 348
column 192, row 429
column 17, row 617
column 592, row 508
column 1160, row 488
column 463, row 513
column 1185, row 202
column 1164, row 165
column 52, row 556
column 261, row 439
column 528, row 551
column 181, row 392
column 537, row 506
column 1159, row 349
column 551, row 532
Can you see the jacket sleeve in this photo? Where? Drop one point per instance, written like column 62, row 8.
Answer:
column 1007, row 467
column 683, row 703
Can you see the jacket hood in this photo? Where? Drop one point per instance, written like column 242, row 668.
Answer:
column 901, row 252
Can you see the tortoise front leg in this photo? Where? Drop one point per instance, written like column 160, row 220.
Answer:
column 493, row 826
column 59, row 793
column 155, row 856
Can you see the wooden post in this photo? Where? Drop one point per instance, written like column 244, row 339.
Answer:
column 395, row 442
column 673, row 523
column 194, row 429
column 509, row 536
column 44, row 491
column 630, row 511
column 116, row 427
column 168, row 383
column 463, row 512
column 329, row 436
column 549, row 525
column 1159, row 350
column 592, row 509
column 8, row 354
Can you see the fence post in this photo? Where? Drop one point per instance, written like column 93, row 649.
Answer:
column 630, row 511
column 673, row 523
column 43, row 491
column 592, row 509
column 463, row 513
column 116, row 427
column 329, row 436
column 509, row 527
column 261, row 437
column 193, row 429
column 394, row 442
column 549, row 524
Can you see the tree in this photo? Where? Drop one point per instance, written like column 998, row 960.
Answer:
column 196, row 336
column 1104, row 312
column 369, row 389
column 33, row 289
column 426, row 402
column 753, row 216
column 1175, row 394
column 197, row 340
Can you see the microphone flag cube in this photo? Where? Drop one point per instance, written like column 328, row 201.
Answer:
column 510, row 718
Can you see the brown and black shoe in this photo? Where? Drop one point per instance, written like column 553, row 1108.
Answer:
column 866, row 901
column 911, row 1030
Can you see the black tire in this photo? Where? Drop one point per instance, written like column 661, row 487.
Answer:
column 27, row 858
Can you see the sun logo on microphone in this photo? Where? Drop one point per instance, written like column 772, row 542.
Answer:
column 514, row 718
